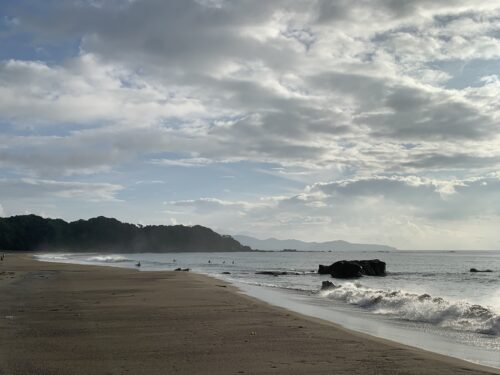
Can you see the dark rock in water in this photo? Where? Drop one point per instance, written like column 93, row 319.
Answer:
column 347, row 269
column 270, row 273
column 327, row 285
column 373, row 267
column 324, row 270
column 476, row 270
column 276, row 273
column 424, row 297
column 226, row 273
column 182, row 269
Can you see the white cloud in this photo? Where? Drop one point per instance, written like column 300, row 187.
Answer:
column 408, row 212
column 233, row 85
column 363, row 94
column 212, row 205
column 191, row 162
column 85, row 91
column 28, row 188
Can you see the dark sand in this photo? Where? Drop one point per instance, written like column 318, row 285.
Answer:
column 70, row 319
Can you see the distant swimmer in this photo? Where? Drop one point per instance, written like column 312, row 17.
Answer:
column 175, row 261
column 138, row 264
column 233, row 261
column 224, row 262
column 209, row 261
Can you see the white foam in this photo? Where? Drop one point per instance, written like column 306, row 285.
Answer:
column 458, row 315
column 72, row 258
column 108, row 259
column 53, row 257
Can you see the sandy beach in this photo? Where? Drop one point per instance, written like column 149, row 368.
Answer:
column 72, row 319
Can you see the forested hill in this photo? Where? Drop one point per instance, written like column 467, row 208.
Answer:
column 101, row 234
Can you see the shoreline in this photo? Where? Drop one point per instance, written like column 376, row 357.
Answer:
column 103, row 313
column 354, row 322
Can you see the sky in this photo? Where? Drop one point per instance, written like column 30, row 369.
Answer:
column 367, row 121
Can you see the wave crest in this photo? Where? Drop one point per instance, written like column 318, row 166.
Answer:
column 49, row 257
column 108, row 259
column 423, row 308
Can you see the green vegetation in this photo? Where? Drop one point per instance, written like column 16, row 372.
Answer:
column 101, row 234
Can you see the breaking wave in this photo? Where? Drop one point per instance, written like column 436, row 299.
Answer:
column 421, row 308
column 108, row 259
column 52, row 257
column 59, row 257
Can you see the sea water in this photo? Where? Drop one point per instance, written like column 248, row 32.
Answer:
column 428, row 299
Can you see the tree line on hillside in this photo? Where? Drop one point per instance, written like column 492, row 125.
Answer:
column 101, row 234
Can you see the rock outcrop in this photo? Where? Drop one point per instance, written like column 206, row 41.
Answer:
column 347, row 269
column 324, row 270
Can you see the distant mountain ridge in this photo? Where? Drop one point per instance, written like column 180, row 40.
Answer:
column 102, row 234
column 276, row 244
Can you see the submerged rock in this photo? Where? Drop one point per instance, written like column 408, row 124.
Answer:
column 424, row 297
column 476, row 270
column 347, row 269
column 276, row 273
column 270, row 273
column 327, row 285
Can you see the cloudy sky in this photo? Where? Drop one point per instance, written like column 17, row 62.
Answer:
column 368, row 121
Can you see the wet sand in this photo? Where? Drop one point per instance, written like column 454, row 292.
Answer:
column 72, row 319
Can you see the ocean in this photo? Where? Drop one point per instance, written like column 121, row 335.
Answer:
column 428, row 299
